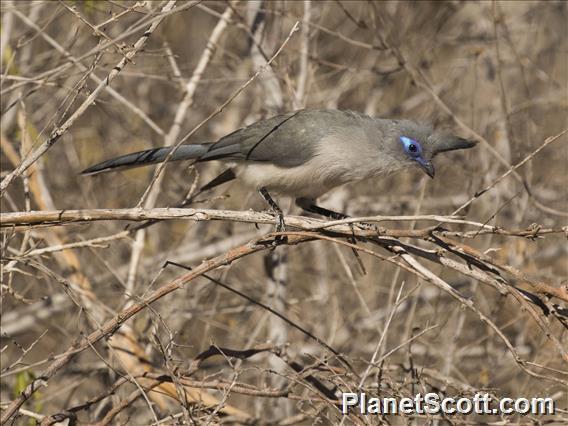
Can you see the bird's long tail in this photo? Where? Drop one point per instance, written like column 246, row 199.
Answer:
column 147, row 157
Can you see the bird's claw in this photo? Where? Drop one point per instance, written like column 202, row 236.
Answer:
column 367, row 227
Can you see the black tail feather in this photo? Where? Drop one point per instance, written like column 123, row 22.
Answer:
column 145, row 158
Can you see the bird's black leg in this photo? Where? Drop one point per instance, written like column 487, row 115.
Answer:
column 281, row 226
column 309, row 206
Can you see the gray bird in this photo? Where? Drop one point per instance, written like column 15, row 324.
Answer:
column 305, row 153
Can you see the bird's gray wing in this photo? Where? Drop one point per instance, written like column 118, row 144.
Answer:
column 286, row 140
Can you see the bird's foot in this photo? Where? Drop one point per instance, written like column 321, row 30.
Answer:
column 367, row 227
column 280, row 227
column 277, row 212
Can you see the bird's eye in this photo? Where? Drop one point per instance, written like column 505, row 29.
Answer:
column 411, row 147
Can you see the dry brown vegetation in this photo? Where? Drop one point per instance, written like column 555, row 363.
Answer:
column 433, row 303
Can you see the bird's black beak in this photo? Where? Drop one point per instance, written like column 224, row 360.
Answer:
column 428, row 167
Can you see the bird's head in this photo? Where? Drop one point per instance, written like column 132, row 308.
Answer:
column 415, row 145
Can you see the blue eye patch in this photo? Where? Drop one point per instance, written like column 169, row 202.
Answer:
column 411, row 147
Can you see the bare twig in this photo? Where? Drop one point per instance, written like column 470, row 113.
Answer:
column 58, row 132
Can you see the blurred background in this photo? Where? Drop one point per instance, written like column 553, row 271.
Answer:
column 493, row 71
